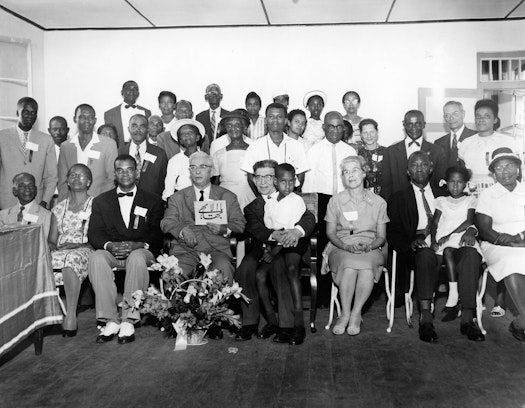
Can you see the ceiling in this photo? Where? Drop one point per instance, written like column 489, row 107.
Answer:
column 124, row 14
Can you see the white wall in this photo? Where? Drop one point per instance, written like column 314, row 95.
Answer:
column 386, row 64
column 11, row 26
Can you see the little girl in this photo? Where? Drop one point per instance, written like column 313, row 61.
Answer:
column 453, row 216
column 283, row 212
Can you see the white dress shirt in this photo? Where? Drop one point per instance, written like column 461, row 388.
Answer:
column 414, row 147
column 125, row 204
column 126, row 115
column 83, row 155
column 177, row 175
column 422, row 214
column 206, row 191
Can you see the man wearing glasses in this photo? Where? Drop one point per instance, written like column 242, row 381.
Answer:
column 210, row 118
column 124, row 229
column 190, row 240
column 264, row 175
column 454, row 115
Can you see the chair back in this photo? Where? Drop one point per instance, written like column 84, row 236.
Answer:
column 310, row 199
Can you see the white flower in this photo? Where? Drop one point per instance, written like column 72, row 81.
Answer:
column 212, row 274
column 137, row 297
column 205, row 260
column 189, row 293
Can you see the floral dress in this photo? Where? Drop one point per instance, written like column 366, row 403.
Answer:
column 374, row 159
column 73, row 228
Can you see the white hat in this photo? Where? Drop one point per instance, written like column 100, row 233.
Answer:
column 279, row 92
column 181, row 122
column 320, row 94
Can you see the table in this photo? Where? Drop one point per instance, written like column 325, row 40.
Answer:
column 28, row 297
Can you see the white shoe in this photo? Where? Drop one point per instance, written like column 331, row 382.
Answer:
column 127, row 333
column 108, row 332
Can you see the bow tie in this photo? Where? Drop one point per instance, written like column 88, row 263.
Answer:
column 130, row 194
column 414, row 142
column 130, row 106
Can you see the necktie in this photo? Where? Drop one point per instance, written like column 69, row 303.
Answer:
column 414, row 142
column 202, row 195
column 130, row 106
column 212, row 123
column 120, row 195
column 20, row 215
column 454, row 141
column 24, row 143
column 139, row 161
column 427, row 210
column 334, row 171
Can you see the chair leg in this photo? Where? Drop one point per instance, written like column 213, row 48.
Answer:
column 313, row 298
column 390, row 294
column 333, row 302
column 409, row 304
column 479, row 300
column 38, row 340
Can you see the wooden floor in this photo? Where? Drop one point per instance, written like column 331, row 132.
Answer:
column 374, row 369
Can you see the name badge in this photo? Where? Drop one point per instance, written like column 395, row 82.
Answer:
column 30, row 217
column 93, row 154
column 32, row 146
column 83, row 215
column 350, row 215
column 150, row 157
column 140, row 211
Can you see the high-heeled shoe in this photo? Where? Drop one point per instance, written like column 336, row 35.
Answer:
column 69, row 333
column 354, row 330
column 340, row 326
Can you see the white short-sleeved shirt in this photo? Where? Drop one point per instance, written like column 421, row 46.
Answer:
column 83, row 156
column 285, row 213
column 289, row 151
column 223, row 141
column 177, row 175
column 313, row 133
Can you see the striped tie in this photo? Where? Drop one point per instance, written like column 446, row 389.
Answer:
column 212, row 123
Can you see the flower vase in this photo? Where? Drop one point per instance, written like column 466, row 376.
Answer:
column 196, row 338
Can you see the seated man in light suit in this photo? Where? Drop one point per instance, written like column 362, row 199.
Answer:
column 189, row 240
column 98, row 152
column 124, row 230
column 24, row 149
column 120, row 115
column 26, row 211
column 151, row 160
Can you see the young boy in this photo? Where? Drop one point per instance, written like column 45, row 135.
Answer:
column 282, row 211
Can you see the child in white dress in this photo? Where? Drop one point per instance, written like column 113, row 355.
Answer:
column 453, row 215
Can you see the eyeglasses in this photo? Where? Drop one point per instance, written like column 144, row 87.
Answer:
column 331, row 128
column 201, row 167
column 267, row 179
column 508, row 166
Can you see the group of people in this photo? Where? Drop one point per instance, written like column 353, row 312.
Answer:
column 106, row 199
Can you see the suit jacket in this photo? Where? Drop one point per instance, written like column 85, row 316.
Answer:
column 114, row 117
column 152, row 175
column 254, row 213
column 181, row 213
column 403, row 215
column 204, row 118
column 43, row 165
column 452, row 154
column 106, row 223
column 395, row 165
column 9, row 216
column 102, row 169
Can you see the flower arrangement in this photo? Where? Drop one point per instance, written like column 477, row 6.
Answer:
column 188, row 304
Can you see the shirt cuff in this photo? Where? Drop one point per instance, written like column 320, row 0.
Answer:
column 300, row 229
column 228, row 233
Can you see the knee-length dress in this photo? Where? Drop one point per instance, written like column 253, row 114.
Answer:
column 507, row 210
column 73, row 228
column 453, row 213
column 355, row 222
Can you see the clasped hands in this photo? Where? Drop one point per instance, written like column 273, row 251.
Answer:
column 121, row 250
column 358, row 247
column 288, row 237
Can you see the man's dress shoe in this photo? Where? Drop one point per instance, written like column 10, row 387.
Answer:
column 518, row 333
column 450, row 313
column 267, row 331
column 126, row 333
column 108, row 333
column 246, row 332
column 427, row 333
column 472, row 331
column 298, row 335
column 284, row 335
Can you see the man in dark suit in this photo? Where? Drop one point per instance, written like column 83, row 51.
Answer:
column 120, row 114
column 124, row 230
column 287, row 331
column 210, row 118
column 410, row 212
column 190, row 239
column 151, row 160
column 396, row 156
column 454, row 115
